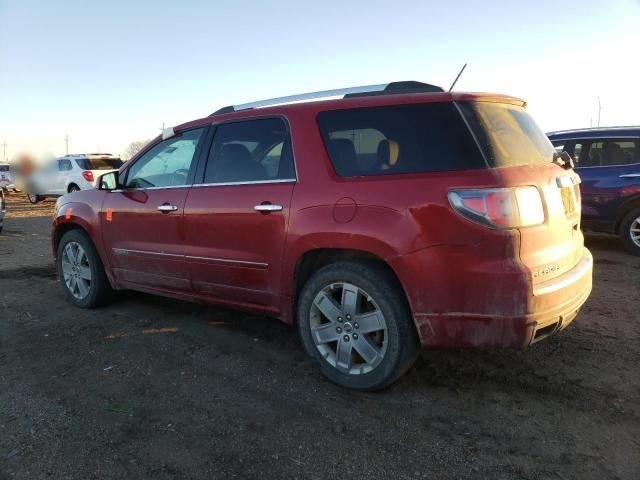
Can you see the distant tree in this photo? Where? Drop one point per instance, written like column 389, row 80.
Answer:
column 133, row 148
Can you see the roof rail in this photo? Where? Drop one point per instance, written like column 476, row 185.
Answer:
column 392, row 88
column 594, row 129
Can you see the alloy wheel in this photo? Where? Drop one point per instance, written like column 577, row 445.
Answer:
column 348, row 328
column 634, row 231
column 76, row 270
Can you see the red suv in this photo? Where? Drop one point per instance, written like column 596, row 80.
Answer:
column 397, row 217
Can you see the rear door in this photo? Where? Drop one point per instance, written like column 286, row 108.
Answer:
column 236, row 217
column 62, row 175
column 142, row 224
column 607, row 167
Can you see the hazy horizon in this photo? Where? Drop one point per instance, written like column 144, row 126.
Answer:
column 110, row 73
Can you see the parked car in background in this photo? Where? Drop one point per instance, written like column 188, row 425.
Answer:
column 397, row 217
column 6, row 182
column 608, row 161
column 3, row 209
column 69, row 174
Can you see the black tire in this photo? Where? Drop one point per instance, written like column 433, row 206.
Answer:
column 402, row 345
column 73, row 188
column 33, row 198
column 99, row 289
column 630, row 220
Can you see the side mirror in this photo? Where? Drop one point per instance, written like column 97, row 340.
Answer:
column 109, row 181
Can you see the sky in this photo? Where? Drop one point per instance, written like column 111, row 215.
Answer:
column 109, row 73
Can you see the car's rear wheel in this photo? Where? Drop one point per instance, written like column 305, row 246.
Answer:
column 630, row 231
column 354, row 320
column 33, row 198
column 81, row 271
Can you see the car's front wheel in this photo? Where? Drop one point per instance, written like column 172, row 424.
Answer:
column 354, row 320
column 81, row 271
column 630, row 231
column 74, row 188
column 33, row 198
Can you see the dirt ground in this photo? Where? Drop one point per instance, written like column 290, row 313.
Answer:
column 149, row 387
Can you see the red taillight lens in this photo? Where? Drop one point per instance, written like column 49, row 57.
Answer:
column 500, row 207
column 88, row 175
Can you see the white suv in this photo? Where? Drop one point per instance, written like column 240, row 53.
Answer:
column 5, row 177
column 70, row 173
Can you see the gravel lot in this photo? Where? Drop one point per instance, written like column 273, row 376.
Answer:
column 149, row 387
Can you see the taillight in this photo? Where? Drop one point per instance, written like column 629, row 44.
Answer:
column 500, row 207
column 88, row 175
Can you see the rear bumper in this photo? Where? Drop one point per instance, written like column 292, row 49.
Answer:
column 552, row 305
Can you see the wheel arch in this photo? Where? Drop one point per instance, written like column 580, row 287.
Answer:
column 63, row 228
column 626, row 207
column 314, row 259
column 72, row 184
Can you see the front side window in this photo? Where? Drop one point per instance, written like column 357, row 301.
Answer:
column 429, row 137
column 250, row 151
column 166, row 164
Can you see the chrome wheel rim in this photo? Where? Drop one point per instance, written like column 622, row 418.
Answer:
column 33, row 198
column 634, row 231
column 76, row 270
column 348, row 328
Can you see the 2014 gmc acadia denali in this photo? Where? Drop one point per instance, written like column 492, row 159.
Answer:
column 396, row 218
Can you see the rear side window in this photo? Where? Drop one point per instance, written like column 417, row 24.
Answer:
column 250, row 151
column 430, row 137
column 99, row 163
column 508, row 134
column 604, row 153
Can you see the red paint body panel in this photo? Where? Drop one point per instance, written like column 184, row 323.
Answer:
column 467, row 285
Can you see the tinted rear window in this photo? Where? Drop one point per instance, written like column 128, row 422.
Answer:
column 430, row 137
column 508, row 134
column 99, row 163
column 4, row 168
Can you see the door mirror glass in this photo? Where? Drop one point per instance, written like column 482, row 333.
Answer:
column 108, row 181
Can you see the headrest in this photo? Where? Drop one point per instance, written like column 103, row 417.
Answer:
column 235, row 152
column 343, row 152
column 388, row 152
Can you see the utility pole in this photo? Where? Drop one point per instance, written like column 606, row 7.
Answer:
column 599, row 109
column 162, row 129
column 66, row 142
column 4, row 150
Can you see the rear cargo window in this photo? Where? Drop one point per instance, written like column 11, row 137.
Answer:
column 99, row 163
column 430, row 137
column 508, row 134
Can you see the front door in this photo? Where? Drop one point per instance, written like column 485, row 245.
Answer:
column 236, row 218
column 142, row 223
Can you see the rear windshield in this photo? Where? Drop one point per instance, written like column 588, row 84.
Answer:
column 99, row 163
column 508, row 134
column 430, row 137
column 4, row 168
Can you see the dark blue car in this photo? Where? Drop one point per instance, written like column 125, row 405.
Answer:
column 608, row 161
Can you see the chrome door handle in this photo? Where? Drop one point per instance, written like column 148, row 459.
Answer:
column 268, row 207
column 630, row 175
column 167, row 208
